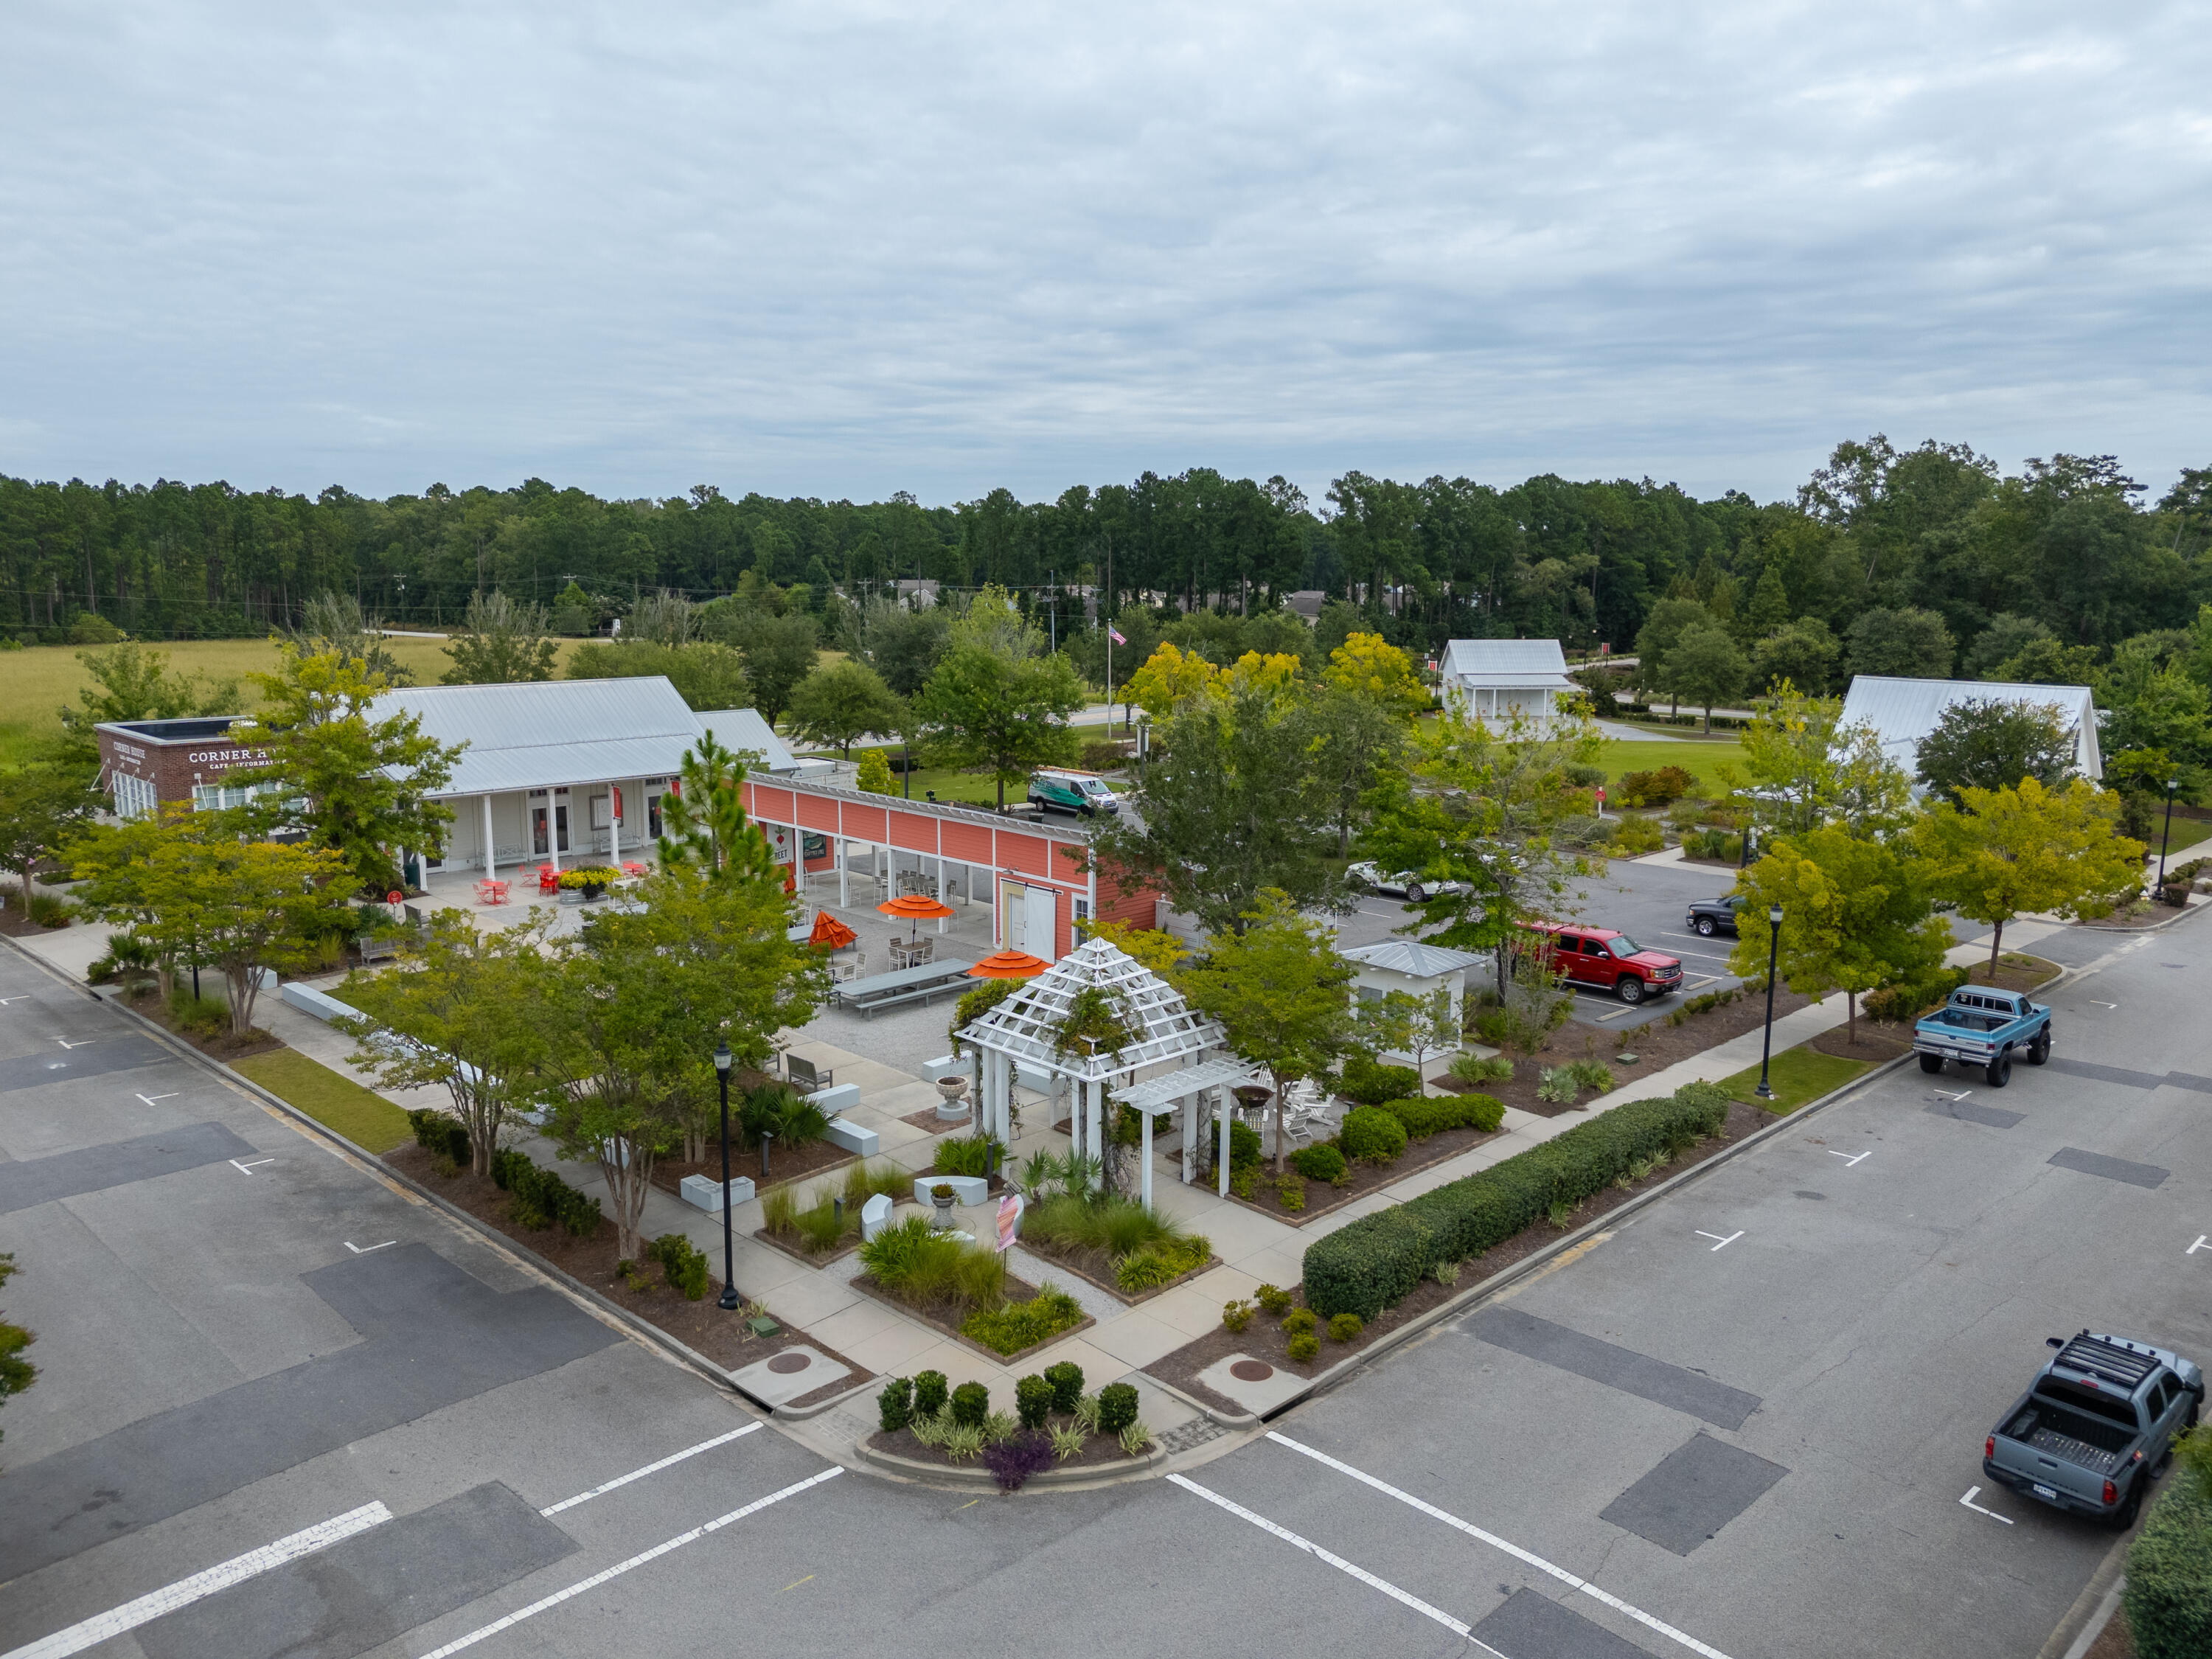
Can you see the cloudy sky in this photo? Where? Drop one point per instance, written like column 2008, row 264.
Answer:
column 842, row 250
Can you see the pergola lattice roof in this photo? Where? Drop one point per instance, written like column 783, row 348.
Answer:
column 1156, row 1092
column 1024, row 1025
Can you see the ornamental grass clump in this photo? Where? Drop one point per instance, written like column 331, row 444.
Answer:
column 934, row 1272
column 1114, row 1239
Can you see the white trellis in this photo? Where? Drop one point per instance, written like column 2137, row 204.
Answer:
column 1023, row 1030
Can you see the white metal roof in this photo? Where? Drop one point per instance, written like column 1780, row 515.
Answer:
column 744, row 728
column 1903, row 712
column 1409, row 956
column 539, row 734
column 1509, row 664
column 1024, row 1025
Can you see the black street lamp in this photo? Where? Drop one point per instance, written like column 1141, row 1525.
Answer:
column 1773, row 956
column 2165, row 835
column 730, row 1301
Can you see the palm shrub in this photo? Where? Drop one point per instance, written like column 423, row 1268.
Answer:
column 1555, row 1086
column 1474, row 1068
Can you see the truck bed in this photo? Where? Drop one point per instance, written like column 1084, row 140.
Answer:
column 2072, row 1436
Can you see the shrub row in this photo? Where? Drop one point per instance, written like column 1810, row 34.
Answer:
column 1423, row 1117
column 1374, row 1262
column 542, row 1198
column 684, row 1262
column 2168, row 1599
column 1367, row 1083
column 441, row 1135
column 1908, row 1000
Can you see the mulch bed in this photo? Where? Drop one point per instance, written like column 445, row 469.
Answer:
column 786, row 1164
column 2132, row 921
column 927, row 1119
column 797, row 1253
column 1876, row 1042
column 1098, row 1451
column 701, row 1326
column 1322, row 1199
column 1264, row 1339
column 225, row 1046
column 1017, row 1290
column 1067, row 1264
column 16, row 924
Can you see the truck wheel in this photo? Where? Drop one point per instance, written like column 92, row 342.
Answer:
column 1630, row 989
column 1704, row 927
column 1416, row 894
column 2039, row 1050
column 2125, row 1516
column 2000, row 1072
column 1931, row 1062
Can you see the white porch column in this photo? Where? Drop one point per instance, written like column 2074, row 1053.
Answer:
column 486, row 835
column 614, row 826
column 1221, row 1118
column 844, row 872
column 1001, row 1122
column 1144, row 1179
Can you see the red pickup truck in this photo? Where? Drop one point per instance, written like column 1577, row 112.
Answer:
column 1607, row 959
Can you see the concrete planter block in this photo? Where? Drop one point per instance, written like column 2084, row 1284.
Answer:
column 943, row 1065
column 842, row 1098
column 875, row 1216
column 702, row 1193
column 853, row 1138
column 309, row 1000
column 966, row 1189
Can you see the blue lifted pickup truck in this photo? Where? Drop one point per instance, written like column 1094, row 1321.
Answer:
column 1984, row 1028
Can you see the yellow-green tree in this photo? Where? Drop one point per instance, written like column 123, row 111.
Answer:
column 875, row 774
column 1152, row 947
column 1169, row 679
column 1369, row 666
column 1802, row 769
column 2006, row 853
column 196, row 889
column 1855, row 916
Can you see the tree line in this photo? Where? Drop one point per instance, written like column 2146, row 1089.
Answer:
column 2067, row 545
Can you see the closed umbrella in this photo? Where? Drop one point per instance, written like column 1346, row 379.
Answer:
column 831, row 934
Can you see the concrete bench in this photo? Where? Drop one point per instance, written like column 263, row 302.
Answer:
column 320, row 1004
column 853, row 1138
column 842, row 1098
column 966, row 1189
column 702, row 1193
column 944, row 1066
column 875, row 1216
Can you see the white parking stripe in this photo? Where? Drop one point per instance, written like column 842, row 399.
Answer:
column 638, row 1560
column 102, row 1627
column 1334, row 1561
column 650, row 1469
column 1512, row 1549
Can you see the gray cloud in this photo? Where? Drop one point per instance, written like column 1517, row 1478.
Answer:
column 843, row 249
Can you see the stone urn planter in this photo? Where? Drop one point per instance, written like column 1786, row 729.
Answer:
column 951, row 1099
column 940, row 1198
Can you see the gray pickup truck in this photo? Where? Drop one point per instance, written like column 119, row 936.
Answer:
column 2097, row 1426
column 1984, row 1028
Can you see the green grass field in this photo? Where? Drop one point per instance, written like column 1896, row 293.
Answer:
column 1797, row 1075
column 361, row 1115
column 1702, row 761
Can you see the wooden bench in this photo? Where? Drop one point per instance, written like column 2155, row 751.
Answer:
column 801, row 1072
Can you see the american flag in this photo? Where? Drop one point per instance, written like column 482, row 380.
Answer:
column 1115, row 634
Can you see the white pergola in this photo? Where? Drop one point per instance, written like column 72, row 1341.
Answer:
column 1193, row 1086
column 1171, row 1043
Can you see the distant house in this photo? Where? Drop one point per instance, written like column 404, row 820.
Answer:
column 1496, row 679
column 1903, row 712
column 1418, row 970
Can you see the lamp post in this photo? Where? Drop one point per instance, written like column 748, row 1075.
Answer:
column 730, row 1301
column 2166, row 834
column 1773, row 956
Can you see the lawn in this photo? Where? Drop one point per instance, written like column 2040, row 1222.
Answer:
column 1702, row 761
column 361, row 1115
column 1797, row 1075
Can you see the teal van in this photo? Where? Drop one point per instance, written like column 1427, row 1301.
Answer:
column 1085, row 793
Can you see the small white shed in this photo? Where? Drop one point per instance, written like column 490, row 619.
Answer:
column 1418, row 970
column 1494, row 680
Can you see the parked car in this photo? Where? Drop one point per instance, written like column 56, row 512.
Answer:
column 1985, row 1027
column 2096, row 1427
column 1405, row 884
column 1715, row 915
column 1083, row 793
column 1609, row 960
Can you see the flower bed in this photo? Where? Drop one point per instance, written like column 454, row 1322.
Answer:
column 1055, row 1426
column 1114, row 1242
column 964, row 1288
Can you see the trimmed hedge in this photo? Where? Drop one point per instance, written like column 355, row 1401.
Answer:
column 1423, row 1118
column 1371, row 1135
column 1368, row 1084
column 2168, row 1600
column 1373, row 1263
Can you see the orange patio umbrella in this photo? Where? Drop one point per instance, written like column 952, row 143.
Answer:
column 829, row 933
column 1009, row 965
column 913, row 907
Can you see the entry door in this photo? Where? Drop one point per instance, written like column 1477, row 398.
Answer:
column 1041, row 934
column 561, row 824
column 537, row 832
column 1013, row 915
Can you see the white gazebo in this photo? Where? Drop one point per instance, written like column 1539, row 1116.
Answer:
column 1170, row 1050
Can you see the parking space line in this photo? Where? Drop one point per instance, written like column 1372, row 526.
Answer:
column 638, row 1560
column 1973, row 1492
column 1851, row 1158
column 248, row 1169
column 103, row 1626
column 1724, row 1243
column 1526, row 1557
column 1334, row 1559
column 2201, row 1240
column 650, row 1469
column 358, row 1250
column 150, row 1099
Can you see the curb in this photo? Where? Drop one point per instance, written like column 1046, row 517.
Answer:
column 376, row 1166
column 1226, row 1420
column 800, row 1413
column 964, row 1477
column 1453, row 1306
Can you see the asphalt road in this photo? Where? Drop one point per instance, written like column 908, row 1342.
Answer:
column 1741, row 1425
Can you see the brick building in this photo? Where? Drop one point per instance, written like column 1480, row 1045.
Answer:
column 147, row 763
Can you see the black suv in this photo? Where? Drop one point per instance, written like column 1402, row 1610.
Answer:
column 1711, row 916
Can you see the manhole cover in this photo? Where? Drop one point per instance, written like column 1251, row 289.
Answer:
column 1251, row 1370
column 785, row 1364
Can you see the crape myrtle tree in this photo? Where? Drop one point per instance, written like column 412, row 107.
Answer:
column 1479, row 815
column 43, row 806
column 1989, row 744
column 1799, row 767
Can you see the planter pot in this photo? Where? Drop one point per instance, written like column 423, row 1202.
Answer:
column 941, row 1213
column 594, row 892
column 951, row 1106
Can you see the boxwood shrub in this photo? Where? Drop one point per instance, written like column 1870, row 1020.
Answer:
column 1371, row 1264
column 1368, row 1084
column 1424, row 1117
column 2168, row 1600
column 1372, row 1134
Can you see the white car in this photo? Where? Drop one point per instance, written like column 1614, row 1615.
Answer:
column 1405, row 884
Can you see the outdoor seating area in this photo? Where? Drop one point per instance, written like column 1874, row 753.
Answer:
column 934, row 979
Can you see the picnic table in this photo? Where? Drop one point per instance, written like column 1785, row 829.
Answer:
column 905, row 985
